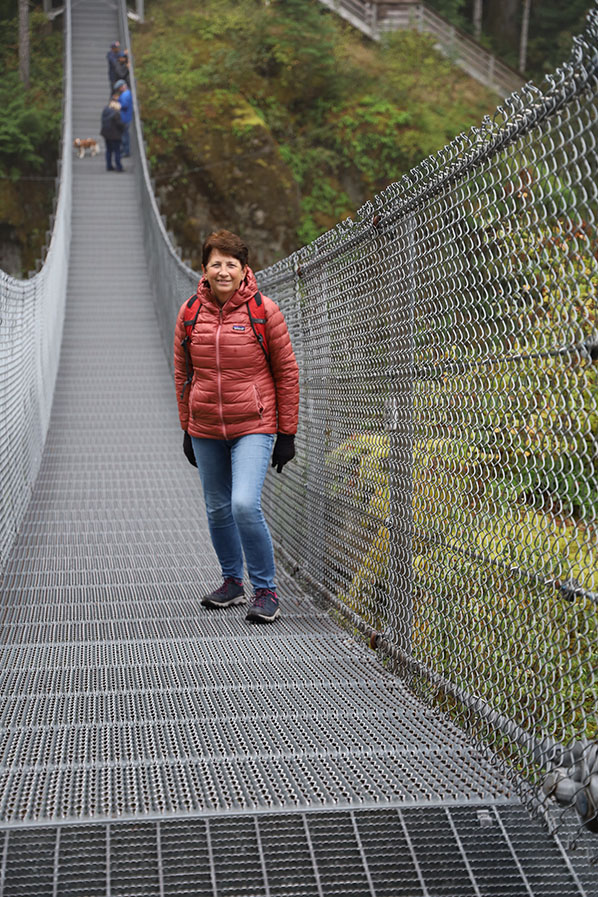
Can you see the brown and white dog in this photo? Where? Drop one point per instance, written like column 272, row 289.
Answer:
column 86, row 143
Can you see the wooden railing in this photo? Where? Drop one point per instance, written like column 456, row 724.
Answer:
column 373, row 19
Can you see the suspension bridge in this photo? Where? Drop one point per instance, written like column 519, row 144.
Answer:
column 421, row 720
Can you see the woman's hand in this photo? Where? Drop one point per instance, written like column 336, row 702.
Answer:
column 188, row 449
column 284, row 451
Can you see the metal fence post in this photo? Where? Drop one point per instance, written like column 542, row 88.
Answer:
column 317, row 417
column 400, row 423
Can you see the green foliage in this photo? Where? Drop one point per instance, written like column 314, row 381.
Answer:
column 453, row 10
column 552, row 26
column 30, row 124
column 8, row 11
column 346, row 116
column 486, row 613
column 359, row 465
column 24, row 129
column 30, row 120
column 299, row 48
column 324, row 195
column 369, row 137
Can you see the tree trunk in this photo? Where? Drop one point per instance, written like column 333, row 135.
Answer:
column 24, row 42
column 501, row 18
column 477, row 18
column 524, row 35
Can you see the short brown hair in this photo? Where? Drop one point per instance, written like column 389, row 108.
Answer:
column 226, row 242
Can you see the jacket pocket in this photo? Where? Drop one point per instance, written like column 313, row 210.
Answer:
column 258, row 401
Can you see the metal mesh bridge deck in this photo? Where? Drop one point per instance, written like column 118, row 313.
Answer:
column 150, row 747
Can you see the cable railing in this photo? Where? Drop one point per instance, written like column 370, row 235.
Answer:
column 445, row 498
column 31, row 318
column 443, row 501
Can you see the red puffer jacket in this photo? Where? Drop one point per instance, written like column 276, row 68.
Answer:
column 234, row 392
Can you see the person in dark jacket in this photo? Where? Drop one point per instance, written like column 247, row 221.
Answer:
column 121, row 70
column 112, row 58
column 238, row 410
column 112, row 130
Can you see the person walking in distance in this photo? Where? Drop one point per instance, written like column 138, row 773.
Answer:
column 111, row 130
column 121, row 69
column 237, row 386
column 112, row 59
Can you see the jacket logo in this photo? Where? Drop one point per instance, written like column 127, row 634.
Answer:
column 238, row 326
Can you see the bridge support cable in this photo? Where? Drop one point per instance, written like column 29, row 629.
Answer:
column 31, row 321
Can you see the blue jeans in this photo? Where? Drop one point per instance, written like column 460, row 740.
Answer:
column 232, row 477
column 126, row 140
column 113, row 146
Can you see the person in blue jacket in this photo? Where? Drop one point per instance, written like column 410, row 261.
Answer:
column 126, row 113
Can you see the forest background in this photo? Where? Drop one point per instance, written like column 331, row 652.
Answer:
column 275, row 120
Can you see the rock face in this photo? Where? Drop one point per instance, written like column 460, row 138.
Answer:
column 226, row 177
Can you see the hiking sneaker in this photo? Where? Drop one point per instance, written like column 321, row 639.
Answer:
column 264, row 607
column 230, row 592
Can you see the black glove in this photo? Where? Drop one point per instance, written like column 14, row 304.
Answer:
column 284, row 450
column 188, row 449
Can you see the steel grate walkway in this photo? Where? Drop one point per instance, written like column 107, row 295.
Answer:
column 150, row 747
column 388, row 853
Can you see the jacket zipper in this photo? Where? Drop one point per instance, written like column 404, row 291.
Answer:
column 219, row 374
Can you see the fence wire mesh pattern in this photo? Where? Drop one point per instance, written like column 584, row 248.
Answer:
column 31, row 317
column 445, row 493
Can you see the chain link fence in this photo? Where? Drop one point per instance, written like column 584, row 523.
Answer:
column 31, row 318
column 443, row 500
column 444, row 497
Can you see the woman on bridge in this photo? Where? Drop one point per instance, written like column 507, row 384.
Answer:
column 237, row 385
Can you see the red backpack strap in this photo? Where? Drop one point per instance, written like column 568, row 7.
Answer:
column 257, row 319
column 189, row 323
column 191, row 318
